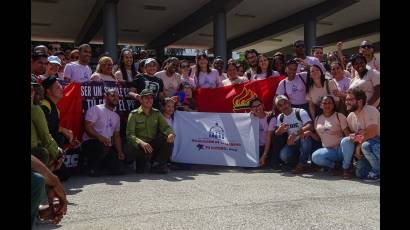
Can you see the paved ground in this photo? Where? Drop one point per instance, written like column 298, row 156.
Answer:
column 210, row 197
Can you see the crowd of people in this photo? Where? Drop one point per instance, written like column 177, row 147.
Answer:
column 325, row 113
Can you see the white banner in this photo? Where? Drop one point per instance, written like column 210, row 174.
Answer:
column 229, row 139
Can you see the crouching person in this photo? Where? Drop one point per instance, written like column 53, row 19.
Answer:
column 297, row 124
column 101, row 125
column 364, row 142
column 144, row 128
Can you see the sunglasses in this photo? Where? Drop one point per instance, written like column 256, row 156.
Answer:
column 366, row 46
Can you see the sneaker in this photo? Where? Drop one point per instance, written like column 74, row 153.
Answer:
column 372, row 177
column 298, row 169
column 346, row 174
column 160, row 168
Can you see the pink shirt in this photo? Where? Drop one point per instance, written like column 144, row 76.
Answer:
column 105, row 121
column 295, row 89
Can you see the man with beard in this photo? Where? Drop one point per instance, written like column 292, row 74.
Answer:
column 364, row 141
column 252, row 59
column 102, row 125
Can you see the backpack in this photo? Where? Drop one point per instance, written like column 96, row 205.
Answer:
column 284, row 85
column 270, row 116
column 297, row 111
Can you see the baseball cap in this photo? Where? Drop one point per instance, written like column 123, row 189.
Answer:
column 279, row 98
column 149, row 60
column 146, row 92
column 54, row 59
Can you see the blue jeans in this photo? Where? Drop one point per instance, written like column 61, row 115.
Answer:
column 347, row 147
column 327, row 156
column 371, row 151
column 363, row 168
column 303, row 148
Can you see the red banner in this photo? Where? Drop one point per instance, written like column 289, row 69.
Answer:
column 235, row 98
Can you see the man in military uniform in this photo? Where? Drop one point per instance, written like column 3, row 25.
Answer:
column 149, row 136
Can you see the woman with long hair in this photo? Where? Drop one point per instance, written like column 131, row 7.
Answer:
column 342, row 83
column 127, row 70
column 331, row 127
column 318, row 87
column 232, row 72
column 264, row 69
column 204, row 76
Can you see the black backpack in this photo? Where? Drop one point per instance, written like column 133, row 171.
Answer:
column 297, row 111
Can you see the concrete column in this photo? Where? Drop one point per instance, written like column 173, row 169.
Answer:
column 310, row 35
column 160, row 54
column 110, row 29
column 220, row 35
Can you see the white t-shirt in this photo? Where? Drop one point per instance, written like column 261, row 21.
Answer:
column 208, row 80
column 310, row 60
column 342, row 85
column 171, row 84
column 262, row 76
column 367, row 83
column 264, row 127
column 294, row 124
column 77, row 72
column 374, row 64
column 101, row 77
column 295, row 89
column 105, row 121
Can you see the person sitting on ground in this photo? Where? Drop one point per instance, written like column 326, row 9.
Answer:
column 184, row 69
column 102, row 128
column 52, row 67
column 43, row 181
column 264, row 69
column 103, row 71
column 267, row 123
column 297, row 124
column 219, row 66
column 148, row 80
column 331, row 126
column 233, row 77
column 170, row 77
column 367, row 80
column 364, row 122
column 79, row 71
column 204, row 76
column 319, row 87
column 294, row 86
column 127, row 71
column 144, row 127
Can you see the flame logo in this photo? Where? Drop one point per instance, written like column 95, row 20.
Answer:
column 241, row 101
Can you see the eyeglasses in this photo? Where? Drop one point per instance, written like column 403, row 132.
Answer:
column 366, row 46
column 350, row 99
